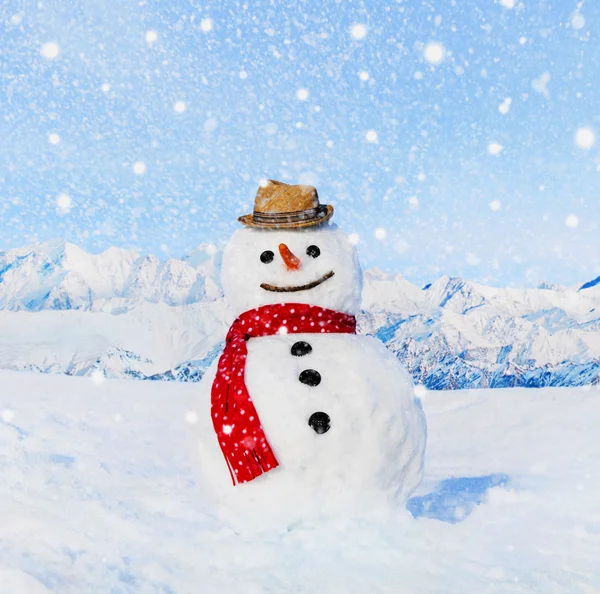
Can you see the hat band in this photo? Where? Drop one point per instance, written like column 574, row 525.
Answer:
column 299, row 216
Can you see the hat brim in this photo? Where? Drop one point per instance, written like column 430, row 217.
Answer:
column 248, row 220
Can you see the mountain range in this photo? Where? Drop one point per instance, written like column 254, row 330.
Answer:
column 122, row 314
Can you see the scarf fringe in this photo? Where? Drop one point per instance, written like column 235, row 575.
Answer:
column 256, row 464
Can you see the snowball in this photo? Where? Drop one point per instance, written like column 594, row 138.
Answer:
column 358, row 31
column 495, row 205
column 206, row 25
column 302, row 94
column 243, row 273
column 380, row 233
column 179, row 106
column 371, row 136
column 50, row 50
column 434, row 53
column 494, row 148
column 151, row 36
column 370, row 459
column 585, row 138
column 53, row 138
column 572, row 221
column 139, row 168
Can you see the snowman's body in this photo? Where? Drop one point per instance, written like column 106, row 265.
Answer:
column 372, row 453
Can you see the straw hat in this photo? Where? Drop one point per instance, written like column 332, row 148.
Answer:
column 281, row 206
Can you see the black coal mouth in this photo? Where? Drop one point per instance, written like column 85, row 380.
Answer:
column 312, row 285
column 319, row 422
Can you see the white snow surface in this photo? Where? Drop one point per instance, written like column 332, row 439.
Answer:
column 372, row 456
column 97, row 496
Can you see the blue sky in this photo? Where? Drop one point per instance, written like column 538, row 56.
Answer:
column 393, row 140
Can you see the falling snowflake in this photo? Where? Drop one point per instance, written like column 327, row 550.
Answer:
column 510, row 4
column 64, row 202
column 495, row 205
column 585, row 138
column 179, row 106
column 504, row 107
column 354, row 238
column 206, row 25
column 380, row 233
column 302, row 94
column 363, row 75
column 540, row 85
column 420, row 391
column 151, row 36
column 413, row 202
column 53, row 138
column 139, row 168
column 371, row 136
column 494, row 148
column 7, row 415
column 572, row 221
column 577, row 21
column 105, row 88
column 434, row 53
column 358, row 31
column 50, row 50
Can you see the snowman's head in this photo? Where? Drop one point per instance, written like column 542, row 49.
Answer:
column 316, row 265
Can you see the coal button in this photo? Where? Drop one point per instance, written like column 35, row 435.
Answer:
column 310, row 377
column 301, row 348
column 320, row 422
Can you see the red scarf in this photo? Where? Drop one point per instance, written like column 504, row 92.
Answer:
column 240, row 434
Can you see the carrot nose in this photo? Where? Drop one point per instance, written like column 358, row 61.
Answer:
column 291, row 262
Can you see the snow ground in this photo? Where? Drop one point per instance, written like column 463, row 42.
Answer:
column 97, row 495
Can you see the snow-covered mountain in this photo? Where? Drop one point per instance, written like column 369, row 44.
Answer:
column 58, row 275
column 120, row 314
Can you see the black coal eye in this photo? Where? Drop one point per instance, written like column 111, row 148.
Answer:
column 267, row 257
column 313, row 251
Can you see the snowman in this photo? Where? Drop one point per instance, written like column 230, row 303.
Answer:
column 301, row 418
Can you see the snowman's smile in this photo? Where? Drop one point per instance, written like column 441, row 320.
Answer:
column 312, row 285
